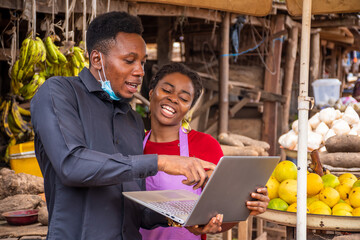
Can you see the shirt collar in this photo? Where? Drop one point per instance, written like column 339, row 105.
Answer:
column 89, row 80
column 93, row 85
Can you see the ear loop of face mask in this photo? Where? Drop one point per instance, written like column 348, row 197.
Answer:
column 106, row 85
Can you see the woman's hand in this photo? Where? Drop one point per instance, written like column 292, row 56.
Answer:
column 259, row 206
column 213, row 226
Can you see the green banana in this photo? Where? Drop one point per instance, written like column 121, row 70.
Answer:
column 74, row 60
column 79, row 53
column 61, row 56
column 5, row 119
column 51, row 50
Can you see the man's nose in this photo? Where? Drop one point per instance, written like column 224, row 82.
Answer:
column 139, row 70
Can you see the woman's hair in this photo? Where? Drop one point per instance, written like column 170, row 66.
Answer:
column 178, row 68
column 102, row 31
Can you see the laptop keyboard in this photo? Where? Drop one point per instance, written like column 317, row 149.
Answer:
column 176, row 207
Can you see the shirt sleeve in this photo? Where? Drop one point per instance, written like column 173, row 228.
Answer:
column 57, row 124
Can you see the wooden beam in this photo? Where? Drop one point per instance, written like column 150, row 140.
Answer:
column 290, row 60
column 290, row 23
column 238, row 106
column 250, row 93
column 249, row 7
column 42, row 6
column 136, row 8
column 272, row 84
column 344, row 22
column 156, row 9
column 224, row 75
column 206, row 106
column 336, row 36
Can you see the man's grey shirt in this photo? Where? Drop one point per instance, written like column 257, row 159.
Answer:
column 89, row 149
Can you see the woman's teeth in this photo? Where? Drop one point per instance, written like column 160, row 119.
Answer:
column 168, row 109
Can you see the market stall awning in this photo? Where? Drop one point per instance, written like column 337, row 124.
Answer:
column 247, row 7
column 324, row 6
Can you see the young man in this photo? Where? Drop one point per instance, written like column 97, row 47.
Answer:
column 88, row 141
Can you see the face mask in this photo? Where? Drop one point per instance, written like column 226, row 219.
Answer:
column 105, row 85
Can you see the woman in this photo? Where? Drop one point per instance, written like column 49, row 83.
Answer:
column 173, row 91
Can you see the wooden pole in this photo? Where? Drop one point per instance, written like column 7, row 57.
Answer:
column 303, row 112
column 33, row 19
column 333, row 63
column 84, row 24
column 66, row 20
column 272, row 84
column 224, row 76
column 163, row 41
column 289, row 74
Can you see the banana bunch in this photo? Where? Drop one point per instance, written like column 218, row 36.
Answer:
column 28, row 91
column 15, row 122
column 66, row 65
column 32, row 53
column 53, row 52
column 39, row 61
column 13, row 119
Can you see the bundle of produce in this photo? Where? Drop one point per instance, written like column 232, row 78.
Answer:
column 15, row 122
column 326, row 195
column 40, row 60
column 323, row 125
column 37, row 62
column 23, row 72
column 239, row 145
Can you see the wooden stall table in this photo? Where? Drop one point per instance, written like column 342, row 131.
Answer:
column 314, row 221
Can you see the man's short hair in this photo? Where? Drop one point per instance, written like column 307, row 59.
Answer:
column 102, row 31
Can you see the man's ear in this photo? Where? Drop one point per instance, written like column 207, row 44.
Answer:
column 95, row 59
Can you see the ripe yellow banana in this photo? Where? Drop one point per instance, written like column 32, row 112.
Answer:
column 14, row 70
column 29, row 90
column 2, row 105
column 42, row 49
column 32, row 49
column 5, row 119
column 24, row 111
column 13, row 126
column 19, row 121
column 23, row 52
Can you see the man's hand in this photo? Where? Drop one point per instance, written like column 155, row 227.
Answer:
column 262, row 202
column 192, row 168
column 213, row 226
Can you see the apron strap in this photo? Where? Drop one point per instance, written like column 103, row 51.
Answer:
column 183, row 141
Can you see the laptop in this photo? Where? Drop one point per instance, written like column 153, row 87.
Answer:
column 226, row 192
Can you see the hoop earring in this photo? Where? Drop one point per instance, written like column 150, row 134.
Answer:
column 185, row 125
